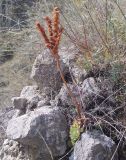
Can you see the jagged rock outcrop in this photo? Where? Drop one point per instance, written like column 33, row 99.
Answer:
column 46, row 74
column 94, row 146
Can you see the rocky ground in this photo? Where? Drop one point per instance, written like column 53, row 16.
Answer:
column 37, row 127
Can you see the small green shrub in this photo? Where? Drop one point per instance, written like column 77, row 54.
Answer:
column 74, row 132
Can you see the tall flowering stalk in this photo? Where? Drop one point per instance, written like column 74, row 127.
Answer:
column 52, row 41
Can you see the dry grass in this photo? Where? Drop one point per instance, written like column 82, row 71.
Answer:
column 15, row 73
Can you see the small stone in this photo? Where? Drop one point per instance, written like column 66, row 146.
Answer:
column 19, row 102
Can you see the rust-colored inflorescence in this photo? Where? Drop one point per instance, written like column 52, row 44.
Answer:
column 54, row 32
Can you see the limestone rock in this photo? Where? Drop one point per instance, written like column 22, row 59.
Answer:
column 19, row 102
column 43, row 127
column 46, row 74
column 94, row 146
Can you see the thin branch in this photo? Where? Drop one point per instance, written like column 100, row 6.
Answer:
column 50, row 152
column 113, row 156
column 97, row 30
column 106, row 8
column 120, row 9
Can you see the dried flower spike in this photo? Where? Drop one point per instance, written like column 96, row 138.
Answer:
column 42, row 31
column 55, row 32
column 52, row 43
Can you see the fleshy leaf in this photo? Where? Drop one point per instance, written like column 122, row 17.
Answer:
column 74, row 132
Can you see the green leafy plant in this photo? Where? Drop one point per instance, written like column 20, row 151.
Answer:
column 74, row 132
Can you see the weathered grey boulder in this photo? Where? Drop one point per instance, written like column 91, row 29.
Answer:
column 46, row 74
column 44, row 129
column 94, row 146
column 66, row 103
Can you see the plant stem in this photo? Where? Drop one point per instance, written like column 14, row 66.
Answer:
column 106, row 6
column 78, row 107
